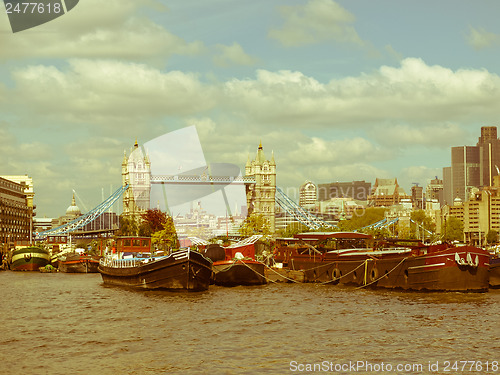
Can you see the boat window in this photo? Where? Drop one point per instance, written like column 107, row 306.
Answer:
column 145, row 243
column 137, row 242
column 127, row 242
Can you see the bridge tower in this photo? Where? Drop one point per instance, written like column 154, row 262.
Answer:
column 136, row 172
column 261, row 196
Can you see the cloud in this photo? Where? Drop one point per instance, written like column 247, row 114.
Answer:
column 417, row 174
column 413, row 92
column 232, row 55
column 481, row 39
column 314, row 22
column 102, row 91
column 441, row 135
column 97, row 29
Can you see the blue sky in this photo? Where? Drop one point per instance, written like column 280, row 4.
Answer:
column 339, row 90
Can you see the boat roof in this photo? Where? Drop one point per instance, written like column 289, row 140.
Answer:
column 324, row 235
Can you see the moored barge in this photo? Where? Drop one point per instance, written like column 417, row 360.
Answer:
column 357, row 259
column 182, row 270
column 78, row 263
column 29, row 258
column 236, row 264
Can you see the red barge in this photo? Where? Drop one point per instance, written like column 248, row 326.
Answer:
column 357, row 259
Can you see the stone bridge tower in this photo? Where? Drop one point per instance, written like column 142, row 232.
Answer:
column 136, row 171
column 260, row 197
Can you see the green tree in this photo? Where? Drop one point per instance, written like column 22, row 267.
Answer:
column 362, row 217
column 454, row 229
column 294, row 228
column 166, row 238
column 492, row 236
column 421, row 222
column 255, row 224
column 128, row 227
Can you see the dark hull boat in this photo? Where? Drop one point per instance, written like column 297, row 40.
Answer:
column 78, row 263
column 495, row 272
column 236, row 265
column 182, row 270
column 442, row 267
column 29, row 259
column 239, row 272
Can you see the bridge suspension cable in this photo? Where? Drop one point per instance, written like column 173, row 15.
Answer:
column 87, row 218
column 297, row 212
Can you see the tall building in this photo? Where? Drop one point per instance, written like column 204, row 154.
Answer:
column 307, row 194
column 417, row 197
column 15, row 213
column 136, row 172
column 260, row 197
column 359, row 190
column 489, row 155
column 472, row 166
column 434, row 191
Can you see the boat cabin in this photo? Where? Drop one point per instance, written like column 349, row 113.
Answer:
column 132, row 245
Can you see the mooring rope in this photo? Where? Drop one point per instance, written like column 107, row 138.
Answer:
column 384, row 275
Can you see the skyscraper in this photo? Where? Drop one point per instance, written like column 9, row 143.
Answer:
column 472, row 166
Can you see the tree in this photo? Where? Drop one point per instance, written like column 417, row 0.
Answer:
column 453, row 229
column 152, row 221
column 294, row 228
column 166, row 238
column 492, row 236
column 362, row 217
column 255, row 224
column 421, row 222
column 128, row 227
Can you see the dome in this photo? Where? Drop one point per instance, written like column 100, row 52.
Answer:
column 73, row 210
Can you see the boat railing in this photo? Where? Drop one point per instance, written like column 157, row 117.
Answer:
column 121, row 263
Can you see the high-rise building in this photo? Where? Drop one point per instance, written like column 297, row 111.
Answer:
column 15, row 213
column 260, row 197
column 417, row 197
column 472, row 166
column 307, row 194
column 434, row 191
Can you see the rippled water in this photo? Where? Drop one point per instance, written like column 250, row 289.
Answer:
column 71, row 323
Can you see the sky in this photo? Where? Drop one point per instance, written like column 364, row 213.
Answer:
column 338, row 90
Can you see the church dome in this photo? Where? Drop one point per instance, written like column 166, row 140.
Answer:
column 73, row 210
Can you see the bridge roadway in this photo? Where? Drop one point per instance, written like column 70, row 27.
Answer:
column 202, row 180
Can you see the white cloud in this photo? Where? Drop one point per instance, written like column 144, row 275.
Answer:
column 440, row 135
column 232, row 55
column 98, row 29
column 412, row 92
column 101, row 91
column 316, row 21
column 480, row 38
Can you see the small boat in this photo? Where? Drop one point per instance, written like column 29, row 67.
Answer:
column 49, row 268
column 236, row 265
column 182, row 270
column 358, row 259
column 77, row 262
column 29, row 258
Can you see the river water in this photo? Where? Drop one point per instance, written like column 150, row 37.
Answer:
column 72, row 324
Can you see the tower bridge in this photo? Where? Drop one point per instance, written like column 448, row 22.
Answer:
column 259, row 182
column 202, row 180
